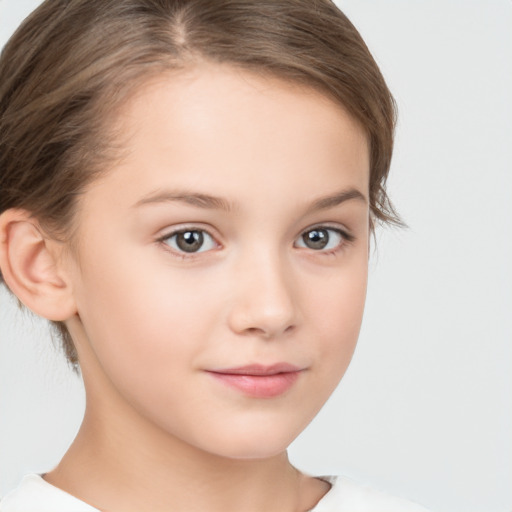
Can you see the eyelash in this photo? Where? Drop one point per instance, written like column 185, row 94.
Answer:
column 346, row 239
column 183, row 254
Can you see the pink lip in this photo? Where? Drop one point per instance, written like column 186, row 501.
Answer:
column 259, row 381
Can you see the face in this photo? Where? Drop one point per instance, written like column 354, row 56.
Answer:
column 222, row 264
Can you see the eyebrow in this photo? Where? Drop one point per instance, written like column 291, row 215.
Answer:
column 336, row 199
column 192, row 198
column 219, row 203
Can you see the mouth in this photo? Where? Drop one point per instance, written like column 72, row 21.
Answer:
column 259, row 381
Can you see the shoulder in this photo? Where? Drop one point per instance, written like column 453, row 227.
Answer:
column 36, row 495
column 349, row 496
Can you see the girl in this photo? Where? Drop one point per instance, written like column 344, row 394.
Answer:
column 188, row 189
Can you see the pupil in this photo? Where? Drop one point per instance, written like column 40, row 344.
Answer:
column 190, row 241
column 316, row 238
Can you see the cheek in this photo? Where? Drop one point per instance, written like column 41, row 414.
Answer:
column 145, row 331
column 337, row 313
column 134, row 315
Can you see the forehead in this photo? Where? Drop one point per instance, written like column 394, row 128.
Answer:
column 220, row 128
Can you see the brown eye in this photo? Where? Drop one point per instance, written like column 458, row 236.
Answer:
column 190, row 241
column 323, row 239
column 316, row 238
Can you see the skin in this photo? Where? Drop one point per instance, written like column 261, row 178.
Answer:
column 160, row 433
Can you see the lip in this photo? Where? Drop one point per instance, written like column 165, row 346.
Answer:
column 258, row 380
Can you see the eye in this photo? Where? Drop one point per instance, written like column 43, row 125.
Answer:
column 322, row 239
column 190, row 241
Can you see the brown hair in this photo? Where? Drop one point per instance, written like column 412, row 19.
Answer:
column 73, row 61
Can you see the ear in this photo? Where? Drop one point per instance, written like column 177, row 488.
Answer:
column 32, row 268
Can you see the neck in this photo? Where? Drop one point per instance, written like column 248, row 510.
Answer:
column 137, row 468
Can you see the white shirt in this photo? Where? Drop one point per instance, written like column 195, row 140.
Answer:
column 36, row 495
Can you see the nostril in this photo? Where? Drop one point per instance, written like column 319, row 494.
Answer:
column 268, row 333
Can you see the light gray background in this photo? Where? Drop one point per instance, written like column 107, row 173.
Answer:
column 425, row 410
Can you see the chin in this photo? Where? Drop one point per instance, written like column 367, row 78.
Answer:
column 256, row 442
column 251, row 451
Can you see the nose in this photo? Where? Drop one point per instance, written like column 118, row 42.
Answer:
column 265, row 303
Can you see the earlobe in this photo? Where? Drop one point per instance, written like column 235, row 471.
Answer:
column 31, row 267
